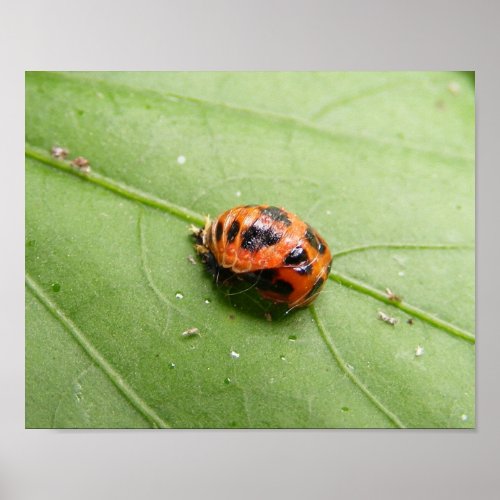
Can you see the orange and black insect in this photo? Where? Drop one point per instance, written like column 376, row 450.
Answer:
column 268, row 247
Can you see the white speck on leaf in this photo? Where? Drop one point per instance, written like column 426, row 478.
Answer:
column 387, row 319
column 454, row 88
column 77, row 391
column 234, row 354
column 181, row 160
column 419, row 350
column 59, row 152
column 463, row 417
column 190, row 332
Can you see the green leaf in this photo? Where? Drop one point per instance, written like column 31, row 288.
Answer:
column 382, row 164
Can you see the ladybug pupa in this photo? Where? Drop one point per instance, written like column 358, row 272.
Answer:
column 283, row 257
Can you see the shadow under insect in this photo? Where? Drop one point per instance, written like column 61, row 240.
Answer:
column 242, row 289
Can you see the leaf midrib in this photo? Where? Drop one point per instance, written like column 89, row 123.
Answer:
column 187, row 215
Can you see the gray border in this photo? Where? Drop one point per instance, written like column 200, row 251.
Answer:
column 232, row 35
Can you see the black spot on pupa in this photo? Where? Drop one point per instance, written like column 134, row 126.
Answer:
column 306, row 269
column 310, row 236
column 256, row 237
column 233, row 231
column 218, row 231
column 277, row 214
column 321, row 246
column 296, row 256
column 268, row 274
column 282, row 287
column 262, row 279
column 316, row 287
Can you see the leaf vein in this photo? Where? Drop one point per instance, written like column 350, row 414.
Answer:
column 354, row 379
column 404, row 306
column 336, row 103
column 116, row 187
column 270, row 116
column 127, row 391
column 401, row 246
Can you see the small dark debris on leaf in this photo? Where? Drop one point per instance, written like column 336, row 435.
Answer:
column 232, row 316
column 268, row 316
column 387, row 319
column 410, row 321
column 191, row 259
column 190, row 332
column 59, row 152
column 440, row 104
column 82, row 164
column 392, row 296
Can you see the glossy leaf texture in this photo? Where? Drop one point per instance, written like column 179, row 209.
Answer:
column 381, row 164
